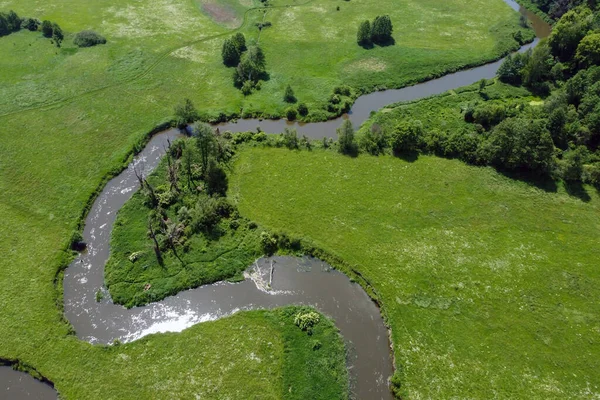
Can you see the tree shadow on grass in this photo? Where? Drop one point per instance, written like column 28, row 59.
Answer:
column 544, row 182
column 576, row 189
column 408, row 156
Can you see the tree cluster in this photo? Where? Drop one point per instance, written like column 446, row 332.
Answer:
column 249, row 62
column 378, row 32
column 192, row 199
column 10, row 22
column 566, row 69
column 557, row 8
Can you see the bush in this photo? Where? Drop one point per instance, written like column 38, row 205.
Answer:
column 302, row 109
column 291, row 114
column 406, row 137
column 289, row 96
column 373, row 141
column 268, row 243
column 31, row 24
column 88, row 39
column 307, row 320
column 290, row 138
column 47, row 28
column 346, row 138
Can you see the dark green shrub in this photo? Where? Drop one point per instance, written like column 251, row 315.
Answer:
column 88, row 39
column 47, row 28
column 290, row 138
column 289, row 96
column 302, row 109
column 291, row 114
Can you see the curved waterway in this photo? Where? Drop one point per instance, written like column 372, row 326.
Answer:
column 294, row 280
column 368, row 103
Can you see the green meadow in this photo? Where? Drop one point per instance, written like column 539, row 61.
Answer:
column 487, row 283
column 70, row 117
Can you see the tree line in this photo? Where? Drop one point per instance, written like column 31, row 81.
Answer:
column 11, row 22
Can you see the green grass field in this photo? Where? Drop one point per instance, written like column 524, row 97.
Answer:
column 68, row 117
column 488, row 284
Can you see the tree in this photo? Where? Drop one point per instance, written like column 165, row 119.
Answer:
column 345, row 135
column 291, row 113
column 240, row 42
column 302, row 109
column 571, row 167
column 57, row 34
column 510, row 70
column 363, row 37
column 381, row 31
column 3, row 25
column 251, row 67
column 588, row 51
column 230, row 54
column 205, row 142
column 406, row 137
column 288, row 96
column 568, row 32
column 13, row 21
column 47, row 28
column 185, row 113
column 290, row 138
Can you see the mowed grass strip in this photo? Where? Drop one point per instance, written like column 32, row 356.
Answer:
column 490, row 286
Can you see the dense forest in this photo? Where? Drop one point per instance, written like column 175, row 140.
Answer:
column 543, row 120
column 557, row 8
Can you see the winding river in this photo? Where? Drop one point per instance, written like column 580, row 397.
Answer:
column 295, row 280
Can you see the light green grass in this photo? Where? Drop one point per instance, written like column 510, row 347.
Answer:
column 490, row 286
column 68, row 117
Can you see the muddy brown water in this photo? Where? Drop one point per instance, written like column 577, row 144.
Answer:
column 295, row 280
column 16, row 385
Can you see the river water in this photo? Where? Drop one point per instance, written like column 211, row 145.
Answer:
column 16, row 385
column 295, row 280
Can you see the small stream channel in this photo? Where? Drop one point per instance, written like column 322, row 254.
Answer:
column 295, row 280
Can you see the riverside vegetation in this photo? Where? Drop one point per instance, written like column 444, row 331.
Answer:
column 89, row 107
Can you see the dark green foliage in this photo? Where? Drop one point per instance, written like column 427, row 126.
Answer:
column 185, row 113
column 230, row 54
column 489, row 114
column 31, row 24
column 510, row 70
column 88, row 39
column 520, row 144
column 289, row 96
column 251, row 67
column 381, row 30
column 536, row 72
column 588, row 51
column 571, row 166
column 205, row 143
column 568, row 32
column 57, row 34
column 290, row 138
column 216, row 179
column 345, row 133
column 9, row 22
column 47, row 28
column 406, row 137
column 373, row 141
column 239, row 41
column 363, row 37
column 302, row 109
column 291, row 113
